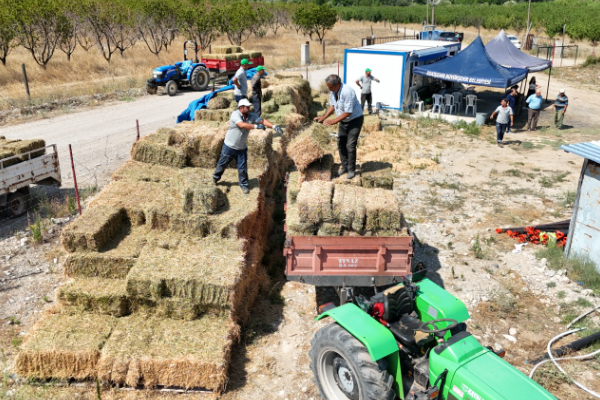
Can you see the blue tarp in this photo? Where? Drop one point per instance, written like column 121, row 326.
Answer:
column 504, row 52
column 190, row 112
column 473, row 66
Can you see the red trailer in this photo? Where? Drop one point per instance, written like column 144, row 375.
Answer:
column 228, row 67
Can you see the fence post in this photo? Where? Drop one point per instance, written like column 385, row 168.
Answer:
column 75, row 180
column 137, row 125
column 26, row 81
column 576, row 51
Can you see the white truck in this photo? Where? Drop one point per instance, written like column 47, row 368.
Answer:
column 39, row 166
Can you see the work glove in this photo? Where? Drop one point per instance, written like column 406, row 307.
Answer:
column 278, row 129
column 260, row 126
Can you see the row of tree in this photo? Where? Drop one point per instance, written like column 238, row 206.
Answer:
column 45, row 26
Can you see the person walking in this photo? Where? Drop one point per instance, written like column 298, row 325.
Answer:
column 235, row 147
column 535, row 105
column 240, row 81
column 505, row 118
column 533, row 86
column 257, row 90
column 560, row 107
column 343, row 101
column 364, row 83
column 511, row 98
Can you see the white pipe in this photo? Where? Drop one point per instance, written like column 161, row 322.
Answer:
column 583, row 315
column 583, row 357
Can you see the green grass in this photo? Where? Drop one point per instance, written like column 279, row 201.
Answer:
column 513, row 172
column 568, row 199
column 549, row 181
column 579, row 268
column 470, row 129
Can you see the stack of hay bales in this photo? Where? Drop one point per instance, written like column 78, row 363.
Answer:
column 231, row 53
column 163, row 266
column 16, row 147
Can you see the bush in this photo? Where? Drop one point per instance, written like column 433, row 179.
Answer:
column 591, row 60
column 579, row 268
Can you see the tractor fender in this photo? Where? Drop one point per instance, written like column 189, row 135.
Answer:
column 378, row 340
column 192, row 68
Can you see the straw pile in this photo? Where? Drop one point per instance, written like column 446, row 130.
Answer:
column 377, row 174
column 64, row 346
column 309, row 146
column 101, row 296
column 14, row 147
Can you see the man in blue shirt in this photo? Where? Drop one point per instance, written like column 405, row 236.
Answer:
column 560, row 107
column 343, row 101
column 511, row 98
column 535, row 105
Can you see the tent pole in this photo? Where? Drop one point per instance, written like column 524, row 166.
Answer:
column 524, row 92
column 548, row 89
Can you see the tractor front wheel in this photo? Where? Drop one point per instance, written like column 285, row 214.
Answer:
column 151, row 88
column 343, row 368
column 171, row 88
column 200, row 78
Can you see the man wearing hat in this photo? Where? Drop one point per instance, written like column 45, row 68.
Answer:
column 240, row 123
column 560, row 107
column 364, row 83
column 240, row 81
column 257, row 89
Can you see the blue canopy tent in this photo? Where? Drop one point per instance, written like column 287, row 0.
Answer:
column 473, row 66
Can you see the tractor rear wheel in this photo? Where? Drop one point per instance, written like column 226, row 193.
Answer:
column 171, row 88
column 200, row 78
column 343, row 368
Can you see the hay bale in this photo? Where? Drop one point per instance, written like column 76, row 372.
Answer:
column 142, row 172
column 264, row 83
column 314, row 202
column 383, row 211
column 328, row 229
column 293, row 187
column 100, row 296
column 64, row 346
column 163, row 352
column 202, row 143
column 269, row 107
column 254, row 53
column 295, row 225
column 309, row 146
column 260, row 148
column 218, row 103
column 376, row 174
column 343, row 179
column 212, row 115
column 16, row 147
column 318, row 170
column 288, row 75
column 349, row 208
column 226, row 49
column 94, row 229
column 155, row 149
column 203, row 270
column 371, row 124
column 203, row 199
column 171, row 307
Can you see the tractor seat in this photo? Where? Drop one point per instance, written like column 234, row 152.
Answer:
column 405, row 332
column 185, row 65
column 397, row 302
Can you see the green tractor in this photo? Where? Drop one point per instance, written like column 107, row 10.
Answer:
column 411, row 342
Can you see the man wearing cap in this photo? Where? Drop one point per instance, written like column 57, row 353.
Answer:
column 257, row 89
column 560, row 107
column 343, row 101
column 240, row 123
column 364, row 83
column 240, row 81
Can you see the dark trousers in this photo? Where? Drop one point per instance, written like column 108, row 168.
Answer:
column 500, row 131
column 241, row 157
column 532, row 118
column 368, row 97
column 257, row 102
column 348, row 133
column 238, row 98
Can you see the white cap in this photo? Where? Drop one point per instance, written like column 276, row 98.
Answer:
column 244, row 102
column 561, row 91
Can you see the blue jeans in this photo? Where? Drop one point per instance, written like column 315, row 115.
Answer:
column 238, row 98
column 241, row 157
column 500, row 131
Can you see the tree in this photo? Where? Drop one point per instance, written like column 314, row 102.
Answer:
column 237, row 20
column 281, row 16
column 264, row 18
column 199, row 23
column 315, row 19
column 157, row 24
column 104, row 18
column 68, row 39
column 8, row 29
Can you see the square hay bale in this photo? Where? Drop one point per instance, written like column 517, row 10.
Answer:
column 383, row 211
column 371, row 124
column 254, row 53
column 318, row 170
column 163, row 352
column 226, row 49
column 203, row 270
column 17, row 147
column 155, row 149
column 314, row 202
column 349, row 207
column 343, row 179
column 64, row 346
column 139, row 171
column 288, row 75
column 293, row 187
column 377, row 174
column 269, row 107
column 203, row 143
column 328, row 229
column 295, row 225
column 218, row 103
column 260, row 148
column 203, row 199
column 213, row 115
column 309, row 146
column 113, row 263
column 100, row 296
column 170, row 307
column 94, row 229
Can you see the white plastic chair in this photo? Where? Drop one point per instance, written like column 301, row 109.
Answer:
column 471, row 102
column 438, row 101
column 458, row 98
column 416, row 101
column 449, row 103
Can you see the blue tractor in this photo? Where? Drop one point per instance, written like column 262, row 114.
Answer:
column 187, row 73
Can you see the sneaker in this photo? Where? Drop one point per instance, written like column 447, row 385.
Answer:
column 500, row 144
column 215, row 180
column 351, row 174
column 343, row 170
column 245, row 190
column 528, row 130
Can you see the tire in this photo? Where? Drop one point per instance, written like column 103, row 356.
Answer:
column 171, row 88
column 151, row 89
column 343, row 368
column 200, row 78
column 16, row 204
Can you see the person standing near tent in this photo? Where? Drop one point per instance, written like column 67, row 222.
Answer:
column 505, row 118
column 364, row 83
column 533, row 86
column 535, row 105
column 235, row 147
column 560, row 107
column 257, row 89
column 343, row 100
column 511, row 98
column 240, row 81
